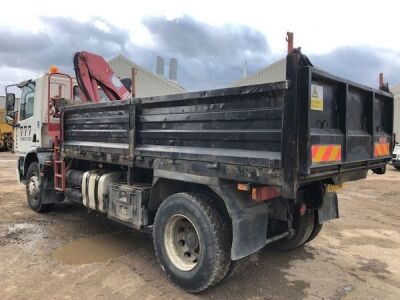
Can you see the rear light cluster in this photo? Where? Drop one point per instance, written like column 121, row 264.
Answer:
column 260, row 193
column 381, row 149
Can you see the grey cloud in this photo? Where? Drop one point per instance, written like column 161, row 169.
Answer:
column 25, row 43
column 56, row 43
column 361, row 64
column 191, row 38
column 209, row 56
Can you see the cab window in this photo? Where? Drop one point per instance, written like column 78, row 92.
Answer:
column 76, row 93
column 27, row 102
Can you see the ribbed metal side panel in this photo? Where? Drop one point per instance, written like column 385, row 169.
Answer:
column 97, row 131
column 241, row 127
column 236, row 126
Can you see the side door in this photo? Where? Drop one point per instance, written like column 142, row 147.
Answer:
column 26, row 132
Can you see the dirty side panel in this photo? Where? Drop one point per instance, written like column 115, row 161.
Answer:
column 231, row 133
column 98, row 132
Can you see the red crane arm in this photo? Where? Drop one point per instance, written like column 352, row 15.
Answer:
column 92, row 71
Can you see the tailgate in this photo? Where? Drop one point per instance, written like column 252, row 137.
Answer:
column 343, row 125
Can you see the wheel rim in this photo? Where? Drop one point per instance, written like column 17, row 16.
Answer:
column 33, row 189
column 182, row 242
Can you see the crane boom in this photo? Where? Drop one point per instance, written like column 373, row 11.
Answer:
column 92, row 71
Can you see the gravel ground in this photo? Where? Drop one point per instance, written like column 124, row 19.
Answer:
column 70, row 253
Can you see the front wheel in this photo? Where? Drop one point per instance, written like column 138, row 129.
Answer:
column 33, row 189
column 192, row 241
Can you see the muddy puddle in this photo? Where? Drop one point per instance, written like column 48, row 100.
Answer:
column 93, row 249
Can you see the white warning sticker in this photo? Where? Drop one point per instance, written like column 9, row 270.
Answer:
column 317, row 97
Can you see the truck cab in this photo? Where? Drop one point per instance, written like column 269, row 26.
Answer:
column 36, row 115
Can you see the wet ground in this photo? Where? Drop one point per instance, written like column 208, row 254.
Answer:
column 71, row 254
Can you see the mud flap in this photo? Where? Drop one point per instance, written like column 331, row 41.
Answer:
column 249, row 220
column 329, row 209
column 249, row 230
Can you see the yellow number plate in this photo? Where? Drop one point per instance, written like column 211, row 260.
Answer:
column 333, row 188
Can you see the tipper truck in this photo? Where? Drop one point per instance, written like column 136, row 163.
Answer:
column 216, row 175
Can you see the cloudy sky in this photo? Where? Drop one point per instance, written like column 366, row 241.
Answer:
column 210, row 39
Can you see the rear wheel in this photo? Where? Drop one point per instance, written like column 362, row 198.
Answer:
column 317, row 228
column 192, row 241
column 303, row 226
column 379, row 171
column 33, row 189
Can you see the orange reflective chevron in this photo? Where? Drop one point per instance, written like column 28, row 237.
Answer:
column 326, row 153
column 381, row 149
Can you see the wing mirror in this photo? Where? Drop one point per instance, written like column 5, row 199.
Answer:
column 10, row 108
column 10, row 102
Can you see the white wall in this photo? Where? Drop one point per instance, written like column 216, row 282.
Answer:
column 148, row 84
column 271, row 73
column 2, row 102
column 396, row 117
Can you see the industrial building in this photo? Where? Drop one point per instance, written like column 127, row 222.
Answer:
column 396, row 111
column 2, row 102
column 148, row 84
column 271, row 73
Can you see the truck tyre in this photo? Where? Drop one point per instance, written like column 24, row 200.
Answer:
column 33, row 189
column 317, row 228
column 379, row 171
column 303, row 227
column 237, row 266
column 192, row 241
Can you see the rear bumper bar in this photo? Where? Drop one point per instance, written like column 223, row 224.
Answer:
column 345, row 171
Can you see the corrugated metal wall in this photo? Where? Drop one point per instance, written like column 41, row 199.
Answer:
column 147, row 83
column 396, row 120
column 2, row 102
column 396, row 111
column 272, row 73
